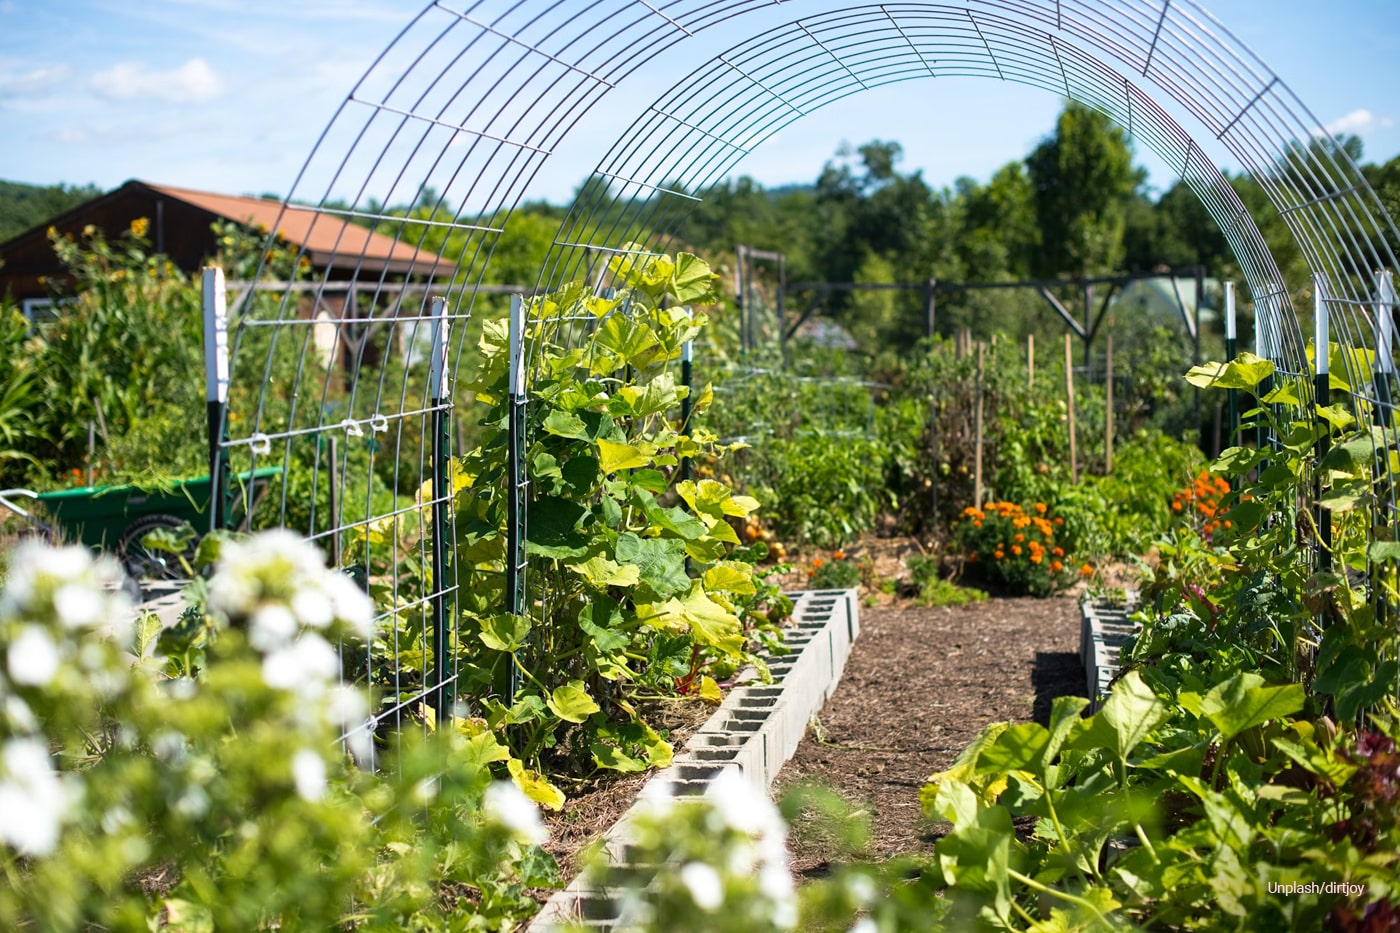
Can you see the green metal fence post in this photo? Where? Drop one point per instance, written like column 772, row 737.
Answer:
column 515, row 473
column 1321, row 398
column 216, row 381
column 441, row 405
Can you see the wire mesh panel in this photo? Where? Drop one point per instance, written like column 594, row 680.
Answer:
column 470, row 100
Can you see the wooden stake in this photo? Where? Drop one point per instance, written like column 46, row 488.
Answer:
column 1108, row 409
column 1069, row 394
column 1030, row 361
column 977, row 436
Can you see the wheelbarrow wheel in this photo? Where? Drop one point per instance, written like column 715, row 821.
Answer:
column 143, row 563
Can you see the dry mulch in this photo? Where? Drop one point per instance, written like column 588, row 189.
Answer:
column 919, row 686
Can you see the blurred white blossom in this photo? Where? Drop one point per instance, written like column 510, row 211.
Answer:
column 271, row 627
column 508, row 807
column 65, row 586
column 304, row 667
column 33, row 801
column 32, row 657
column 309, row 774
column 277, row 581
column 704, row 884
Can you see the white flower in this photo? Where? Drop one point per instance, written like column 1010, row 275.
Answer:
column 743, row 807
column 304, row 666
column 865, row 925
column 268, row 567
column 775, row 881
column 77, row 605
column 271, row 627
column 36, row 568
column 309, row 773
column 33, row 801
column 32, row 657
column 312, row 607
column 862, row 891
column 20, row 716
column 351, row 604
column 231, row 593
column 346, row 705
column 507, row 807
column 703, row 882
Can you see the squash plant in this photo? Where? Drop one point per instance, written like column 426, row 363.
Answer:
column 1243, row 773
column 637, row 584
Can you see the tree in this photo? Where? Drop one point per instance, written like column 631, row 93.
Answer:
column 1083, row 177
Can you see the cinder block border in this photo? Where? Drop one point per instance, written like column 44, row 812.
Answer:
column 756, row 730
column 1103, row 627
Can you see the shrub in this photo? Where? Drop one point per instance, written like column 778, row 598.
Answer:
column 838, row 573
column 1014, row 548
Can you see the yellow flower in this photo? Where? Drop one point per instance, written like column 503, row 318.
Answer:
column 139, row 226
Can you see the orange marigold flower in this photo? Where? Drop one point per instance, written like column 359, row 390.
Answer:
column 1037, row 557
column 1227, row 523
column 1059, row 522
column 1086, row 571
column 839, row 554
column 817, row 562
column 1016, row 549
column 1058, row 551
column 1176, row 505
column 972, row 558
column 1040, row 507
column 1019, row 538
column 1056, row 566
column 999, row 555
column 977, row 524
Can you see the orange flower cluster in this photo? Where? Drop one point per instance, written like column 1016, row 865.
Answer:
column 1033, row 531
column 1202, row 500
column 1014, row 546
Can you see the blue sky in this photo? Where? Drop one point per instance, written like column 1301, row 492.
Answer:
column 231, row 95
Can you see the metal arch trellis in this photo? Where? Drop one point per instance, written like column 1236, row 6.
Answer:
column 471, row 99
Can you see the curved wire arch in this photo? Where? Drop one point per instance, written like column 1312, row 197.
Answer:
column 701, row 128
column 471, row 99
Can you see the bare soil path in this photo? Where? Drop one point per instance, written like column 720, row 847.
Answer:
column 919, row 686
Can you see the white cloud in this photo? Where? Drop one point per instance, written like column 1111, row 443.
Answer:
column 1360, row 122
column 33, row 82
column 191, row 82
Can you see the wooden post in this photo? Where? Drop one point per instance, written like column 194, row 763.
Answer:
column 1108, row 407
column 1030, row 361
column 1069, row 394
column 977, row 437
column 930, row 308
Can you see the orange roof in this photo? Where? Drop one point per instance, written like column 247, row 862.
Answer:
column 328, row 238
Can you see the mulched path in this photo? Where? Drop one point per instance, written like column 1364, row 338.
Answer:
column 919, row 686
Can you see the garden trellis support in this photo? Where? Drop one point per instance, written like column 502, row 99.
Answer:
column 471, row 99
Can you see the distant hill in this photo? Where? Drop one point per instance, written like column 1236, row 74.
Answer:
column 24, row 206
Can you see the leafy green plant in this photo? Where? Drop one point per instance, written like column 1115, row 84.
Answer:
column 636, row 583
column 182, row 794
column 930, row 588
column 838, row 573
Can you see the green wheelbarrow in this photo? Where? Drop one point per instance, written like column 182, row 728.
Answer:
column 116, row 518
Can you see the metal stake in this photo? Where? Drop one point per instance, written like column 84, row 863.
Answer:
column 515, row 469
column 441, row 692
column 687, row 403
column 1231, row 395
column 216, row 381
column 1321, row 397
